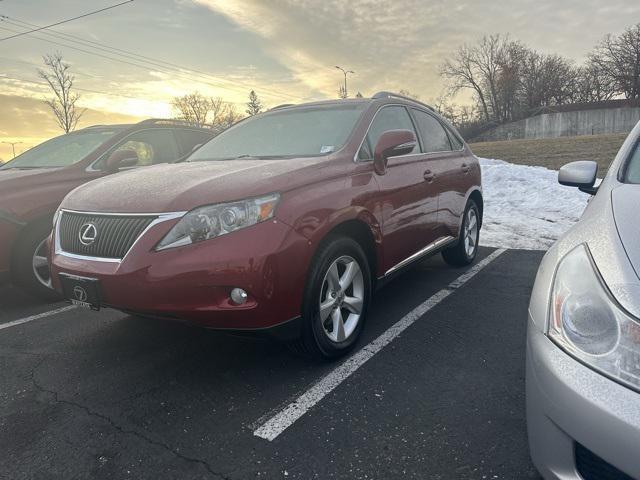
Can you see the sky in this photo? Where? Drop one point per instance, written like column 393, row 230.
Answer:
column 285, row 50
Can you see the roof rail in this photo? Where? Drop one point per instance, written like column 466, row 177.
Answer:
column 284, row 105
column 174, row 122
column 384, row 94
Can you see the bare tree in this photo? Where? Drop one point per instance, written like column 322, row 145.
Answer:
column 193, row 108
column 462, row 72
column 593, row 84
column 218, row 111
column 618, row 57
column 342, row 92
column 509, row 79
column 229, row 116
column 60, row 79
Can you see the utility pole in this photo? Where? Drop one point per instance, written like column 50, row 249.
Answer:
column 345, row 72
column 13, row 147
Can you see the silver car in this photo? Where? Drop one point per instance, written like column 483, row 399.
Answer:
column 583, row 340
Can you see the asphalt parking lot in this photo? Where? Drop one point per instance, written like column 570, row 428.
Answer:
column 105, row 395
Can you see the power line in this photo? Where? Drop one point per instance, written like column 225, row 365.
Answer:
column 65, row 21
column 130, row 54
column 135, row 57
column 7, row 77
column 133, row 62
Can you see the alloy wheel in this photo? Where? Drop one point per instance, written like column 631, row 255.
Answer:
column 471, row 233
column 40, row 264
column 341, row 299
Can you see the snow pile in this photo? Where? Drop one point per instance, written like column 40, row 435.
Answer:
column 526, row 207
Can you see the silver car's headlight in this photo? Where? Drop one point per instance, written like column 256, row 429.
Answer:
column 213, row 221
column 588, row 323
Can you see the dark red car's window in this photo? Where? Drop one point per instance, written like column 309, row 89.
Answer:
column 388, row 118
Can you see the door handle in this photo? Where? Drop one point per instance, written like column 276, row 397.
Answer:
column 429, row 176
column 465, row 168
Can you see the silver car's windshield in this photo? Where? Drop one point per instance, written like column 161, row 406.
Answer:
column 62, row 151
column 633, row 167
column 290, row 132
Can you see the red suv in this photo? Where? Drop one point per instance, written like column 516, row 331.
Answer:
column 284, row 223
column 33, row 184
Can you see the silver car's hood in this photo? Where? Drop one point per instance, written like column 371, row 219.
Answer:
column 626, row 205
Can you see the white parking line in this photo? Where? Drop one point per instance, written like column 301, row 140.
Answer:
column 296, row 409
column 36, row 317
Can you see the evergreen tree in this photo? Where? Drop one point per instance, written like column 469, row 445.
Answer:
column 254, row 105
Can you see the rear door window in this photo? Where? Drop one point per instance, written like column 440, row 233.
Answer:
column 153, row 146
column 388, row 118
column 434, row 137
column 188, row 139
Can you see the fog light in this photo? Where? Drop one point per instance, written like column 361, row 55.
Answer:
column 238, row 296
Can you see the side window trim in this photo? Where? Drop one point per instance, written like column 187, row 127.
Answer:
column 366, row 133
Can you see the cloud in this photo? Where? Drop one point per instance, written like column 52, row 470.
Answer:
column 30, row 121
column 400, row 44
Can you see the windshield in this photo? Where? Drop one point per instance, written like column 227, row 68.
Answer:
column 291, row 132
column 62, row 151
column 633, row 167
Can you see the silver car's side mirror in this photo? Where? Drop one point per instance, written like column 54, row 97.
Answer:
column 581, row 174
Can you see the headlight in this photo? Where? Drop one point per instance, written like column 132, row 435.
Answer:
column 587, row 322
column 213, row 221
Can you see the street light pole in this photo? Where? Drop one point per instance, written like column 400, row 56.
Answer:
column 13, row 147
column 345, row 72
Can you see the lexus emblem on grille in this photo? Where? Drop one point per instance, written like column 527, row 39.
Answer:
column 80, row 293
column 88, row 234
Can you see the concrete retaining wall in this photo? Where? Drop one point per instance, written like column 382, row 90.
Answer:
column 567, row 124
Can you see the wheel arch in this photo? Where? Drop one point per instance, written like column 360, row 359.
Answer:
column 476, row 196
column 364, row 229
column 24, row 231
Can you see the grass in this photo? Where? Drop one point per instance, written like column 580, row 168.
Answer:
column 554, row 152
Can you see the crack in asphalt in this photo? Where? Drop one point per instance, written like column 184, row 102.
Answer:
column 119, row 428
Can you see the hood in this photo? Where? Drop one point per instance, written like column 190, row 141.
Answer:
column 11, row 178
column 184, row 186
column 625, row 200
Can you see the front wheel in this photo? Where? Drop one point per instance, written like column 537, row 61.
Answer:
column 336, row 300
column 30, row 262
column 466, row 248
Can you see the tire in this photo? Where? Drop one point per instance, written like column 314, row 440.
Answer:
column 466, row 248
column 342, row 325
column 32, row 244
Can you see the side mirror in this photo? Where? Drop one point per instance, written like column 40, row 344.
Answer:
column 581, row 174
column 392, row 143
column 121, row 159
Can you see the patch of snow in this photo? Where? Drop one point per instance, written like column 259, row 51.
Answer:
column 525, row 207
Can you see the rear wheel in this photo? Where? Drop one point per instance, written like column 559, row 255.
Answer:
column 30, row 262
column 465, row 250
column 335, row 301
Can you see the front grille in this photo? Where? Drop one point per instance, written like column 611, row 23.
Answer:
column 592, row 467
column 114, row 234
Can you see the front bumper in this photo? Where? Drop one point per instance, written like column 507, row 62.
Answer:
column 192, row 283
column 568, row 402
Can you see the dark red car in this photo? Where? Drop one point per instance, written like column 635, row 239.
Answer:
column 33, row 184
column 284, row 223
